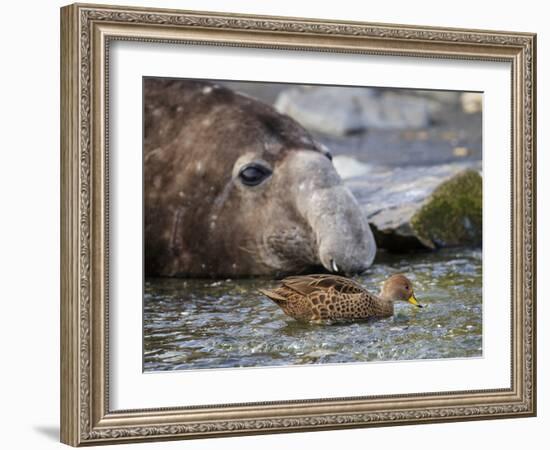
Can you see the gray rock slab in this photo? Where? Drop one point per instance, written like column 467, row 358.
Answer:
column 422, row 207
column 341, row 111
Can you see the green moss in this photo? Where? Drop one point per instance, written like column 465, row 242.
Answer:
column 452, row 215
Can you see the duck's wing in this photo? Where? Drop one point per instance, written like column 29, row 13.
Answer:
column 277, row 295
column 307, row 284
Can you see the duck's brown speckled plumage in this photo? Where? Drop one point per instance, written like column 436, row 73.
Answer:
column 327, row 297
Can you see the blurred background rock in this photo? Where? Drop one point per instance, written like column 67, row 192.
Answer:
column 413, row 158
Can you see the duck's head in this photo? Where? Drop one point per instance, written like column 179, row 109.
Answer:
column 399, row 288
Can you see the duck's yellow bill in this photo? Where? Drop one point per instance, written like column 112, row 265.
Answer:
column 414, row 301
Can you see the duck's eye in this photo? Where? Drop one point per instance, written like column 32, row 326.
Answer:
column 253, row 174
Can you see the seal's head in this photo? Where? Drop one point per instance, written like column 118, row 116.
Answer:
column 233, row 188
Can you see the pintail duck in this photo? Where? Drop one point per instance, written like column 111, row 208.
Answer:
column 312, row 298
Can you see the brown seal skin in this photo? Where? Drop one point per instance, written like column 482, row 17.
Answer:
column 232, row 188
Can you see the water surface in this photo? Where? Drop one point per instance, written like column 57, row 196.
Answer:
column 198, row 324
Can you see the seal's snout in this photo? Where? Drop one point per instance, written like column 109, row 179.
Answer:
column 345, row 241
column 346, row 267
column 356, row 268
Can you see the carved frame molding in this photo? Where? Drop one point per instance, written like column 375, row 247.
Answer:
column 86, row 31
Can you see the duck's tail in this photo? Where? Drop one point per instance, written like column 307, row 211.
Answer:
column 273, row 295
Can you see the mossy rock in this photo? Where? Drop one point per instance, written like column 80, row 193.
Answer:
column 452, row 215
column 420, row 207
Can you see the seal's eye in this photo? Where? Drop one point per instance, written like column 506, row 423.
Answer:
column 254, row 174
column 329, row 155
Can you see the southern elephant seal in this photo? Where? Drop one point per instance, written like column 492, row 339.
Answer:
column 233, row 188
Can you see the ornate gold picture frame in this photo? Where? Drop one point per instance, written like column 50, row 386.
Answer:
column 87, row 31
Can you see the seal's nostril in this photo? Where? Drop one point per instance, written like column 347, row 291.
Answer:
column 334, row 266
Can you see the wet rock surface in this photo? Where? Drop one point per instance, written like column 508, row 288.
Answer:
column 418, row 207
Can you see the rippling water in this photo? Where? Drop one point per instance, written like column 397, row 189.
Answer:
column 197, row 324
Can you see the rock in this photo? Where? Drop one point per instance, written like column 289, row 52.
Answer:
column 265, row 92
column 341, row 111
column 461, row 152
column 451, row 98
column 349, row 167
column 472, row 102
column 421, row 207
column 452, row 215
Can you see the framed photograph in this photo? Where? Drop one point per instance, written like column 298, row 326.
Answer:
column 276, row 224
